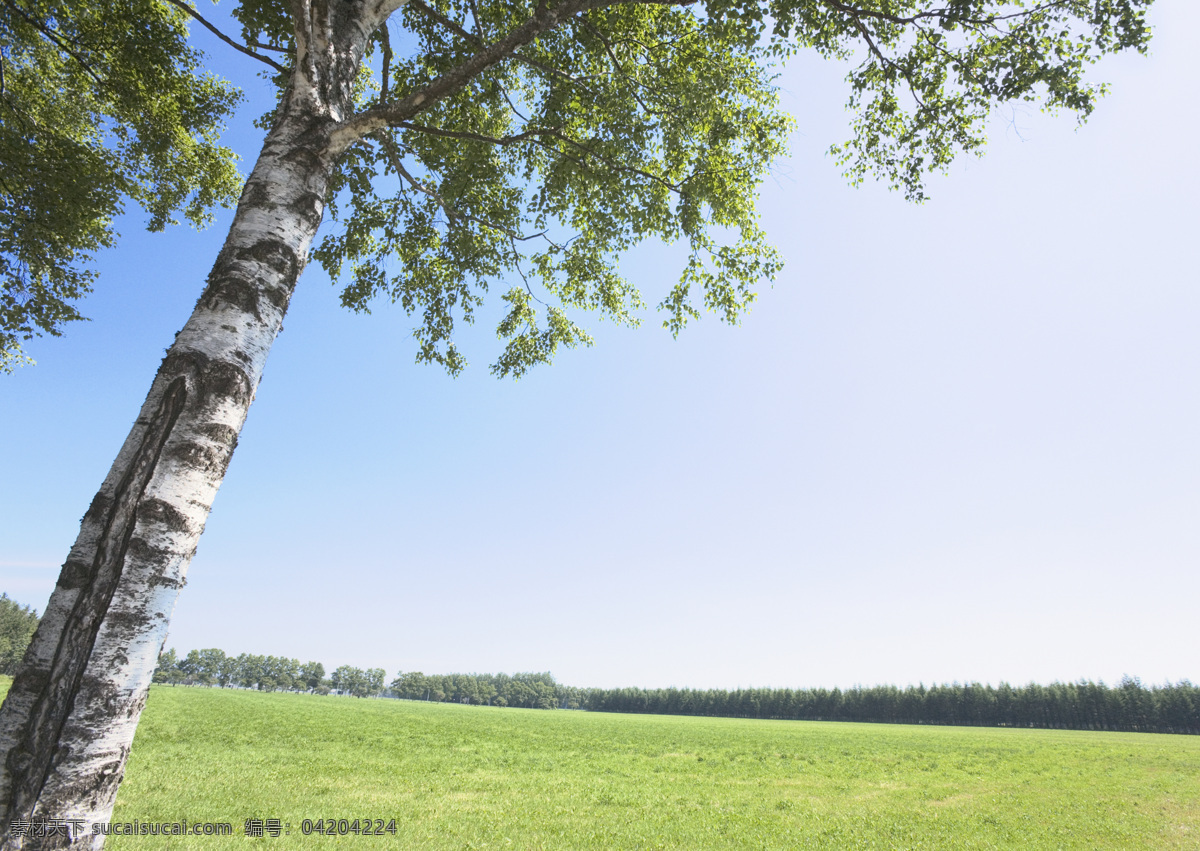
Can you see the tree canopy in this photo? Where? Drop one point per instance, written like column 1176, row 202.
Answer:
column 487, row 147
column 100, row 103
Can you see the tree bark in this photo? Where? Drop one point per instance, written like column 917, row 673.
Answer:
column 69, row 718
column 68, row 722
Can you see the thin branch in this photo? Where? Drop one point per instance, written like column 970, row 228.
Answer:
column 452, row 215
column 262, row 46
column 475, row 16
column 888, row 62
column 387, row 62
column 512, row 106
column 393, row 156
column 475, row 137
column 616, row 63
column 517, row 265
column 941, row 14
column 535, row 136
column 392, row 114
column 179, row 4
column 55, row 37
column 448, row 23
column 662, row 181
column 458, row 30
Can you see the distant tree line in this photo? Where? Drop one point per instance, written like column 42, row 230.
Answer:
column 213, row 667
column 1084, row 705
column 17, row 624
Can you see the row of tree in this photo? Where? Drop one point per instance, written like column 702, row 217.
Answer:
column 214, row 667
column 1083, row 705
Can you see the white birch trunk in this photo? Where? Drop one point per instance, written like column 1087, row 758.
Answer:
column 68, row 721
column 69, row 718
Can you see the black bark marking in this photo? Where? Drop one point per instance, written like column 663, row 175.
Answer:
column 226, row 380
column 200, row 456
column 166, row 582
column 231, row 291
column 276, row 255
column 280, row 297
column 39, row 740
column 309, row 208
column 305, row 152
column 220, row 433
column 136, row 705
column 256, row 194
column 163, row 513
column 147, row 554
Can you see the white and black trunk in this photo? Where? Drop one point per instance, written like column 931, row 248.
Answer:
column 68, row 721
column 69, row 718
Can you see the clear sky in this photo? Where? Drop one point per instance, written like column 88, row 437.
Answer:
column 953, row 442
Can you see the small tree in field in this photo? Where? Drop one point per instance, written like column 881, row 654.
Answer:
column 457, row 145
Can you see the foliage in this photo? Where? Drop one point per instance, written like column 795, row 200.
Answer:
column 17, row 624
column 99, row 103
column 645, row 120
column 629, row 121
column 931, row 74
column 471, row 777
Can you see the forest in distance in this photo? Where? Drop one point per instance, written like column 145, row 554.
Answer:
column 1129, row 706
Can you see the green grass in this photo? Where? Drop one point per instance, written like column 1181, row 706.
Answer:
column 478, row 777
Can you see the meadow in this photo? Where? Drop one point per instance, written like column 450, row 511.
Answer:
column 480, row 777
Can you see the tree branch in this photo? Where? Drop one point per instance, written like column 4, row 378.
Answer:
column 616, row 63
column 888, row 62
column 262, row 46
column 392, row 114
column 452, row 215
column 179, row 4
column 458, row 30
column 474, row 137
column 54, row 37
column 393, row 156
column 662, row 181
column 535, row 136
column 941, row 14
column 386, row 43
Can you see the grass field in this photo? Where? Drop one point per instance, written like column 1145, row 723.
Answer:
column 478, row 777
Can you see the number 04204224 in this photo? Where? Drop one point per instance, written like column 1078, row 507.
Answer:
column 344, row 827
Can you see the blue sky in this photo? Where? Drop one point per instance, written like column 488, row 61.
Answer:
column 952, row 442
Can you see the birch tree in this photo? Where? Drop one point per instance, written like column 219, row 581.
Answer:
column 453, row 147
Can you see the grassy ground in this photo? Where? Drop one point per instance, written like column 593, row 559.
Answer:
column 476, row 777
